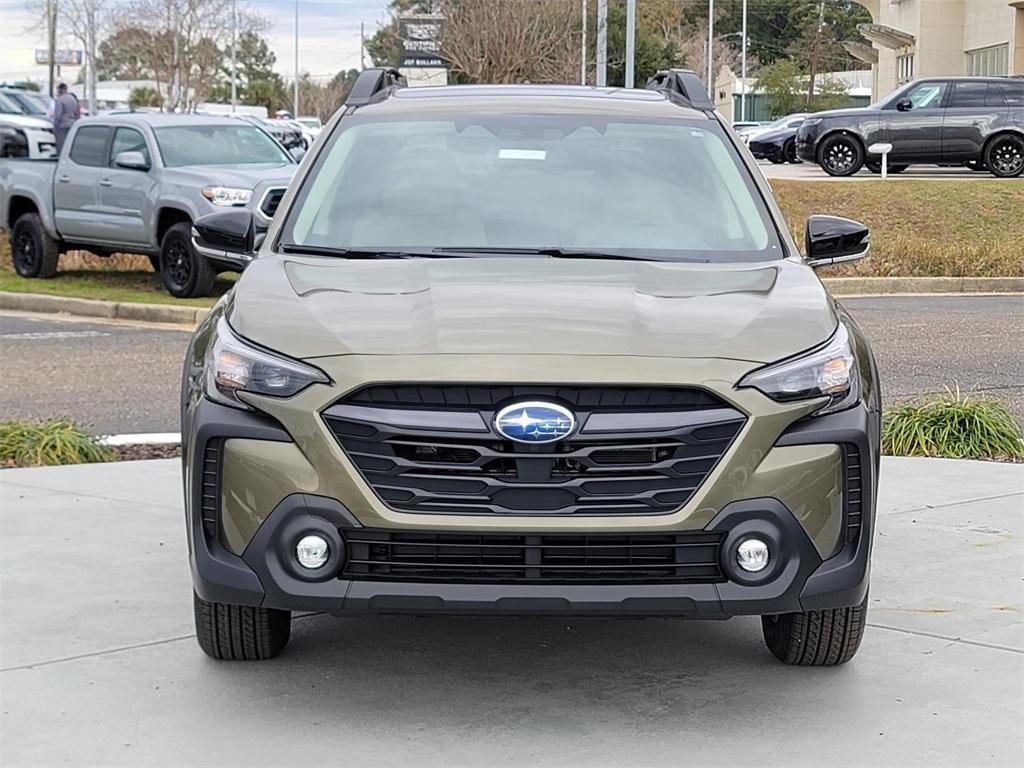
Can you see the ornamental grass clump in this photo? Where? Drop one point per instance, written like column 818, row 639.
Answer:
column 953, row 426
column 31, row 444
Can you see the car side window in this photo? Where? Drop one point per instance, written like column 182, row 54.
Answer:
column 1013, row 93
column 90, row 146
column 970, row 94
column 927, row 95
column 127, row 140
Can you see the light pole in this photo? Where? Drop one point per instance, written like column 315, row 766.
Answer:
column 711, row 48
column 295, row 112
column 234, row 64
column 583, row 44
column 743, row 67
column 602, row 43
column 630, row 42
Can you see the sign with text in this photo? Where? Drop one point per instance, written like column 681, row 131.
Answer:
column 420, row 41
column 65, row 57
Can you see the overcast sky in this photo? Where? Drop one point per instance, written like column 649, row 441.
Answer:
column 328, row 35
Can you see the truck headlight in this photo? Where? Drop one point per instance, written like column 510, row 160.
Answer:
column 232, row 366
column 808, row 121
column 828, row 371
column 227, row 195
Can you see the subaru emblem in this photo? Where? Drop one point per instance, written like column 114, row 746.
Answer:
column 534, row 422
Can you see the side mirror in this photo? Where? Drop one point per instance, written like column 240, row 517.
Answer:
column 904, row 105
column 228, row 236
column 834, row 240
column 136, row 161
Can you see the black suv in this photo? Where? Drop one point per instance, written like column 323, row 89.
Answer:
column 975, row 121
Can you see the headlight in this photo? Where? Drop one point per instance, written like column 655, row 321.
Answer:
column 829, row 370
column 233, row 366
column 227, row 195
column 810, row 121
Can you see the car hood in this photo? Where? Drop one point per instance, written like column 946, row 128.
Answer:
column 243, row 176
column 314, row 307
column 25, row 121
column 780, row 134
column 850, row 112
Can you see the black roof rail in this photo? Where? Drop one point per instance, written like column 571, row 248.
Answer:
column 684, row 83
column 371, row 82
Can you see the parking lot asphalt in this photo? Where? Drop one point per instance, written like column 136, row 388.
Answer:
column 812, row 172
column 116, row 378
column 99, row 665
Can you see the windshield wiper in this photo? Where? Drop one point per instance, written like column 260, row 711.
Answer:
column 552, row 252
column 351, row 253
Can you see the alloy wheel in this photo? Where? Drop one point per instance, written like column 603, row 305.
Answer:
column 177, row 263
column 25, row 254
column 840, row 156
column 1007, row 157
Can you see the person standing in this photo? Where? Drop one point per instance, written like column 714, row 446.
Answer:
column 65, row 112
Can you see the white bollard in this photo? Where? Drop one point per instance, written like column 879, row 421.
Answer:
column 882, row 149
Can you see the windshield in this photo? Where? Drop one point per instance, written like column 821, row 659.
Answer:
column 29, row 105
column 670, row 189
column 218, row 145
column 8, row 106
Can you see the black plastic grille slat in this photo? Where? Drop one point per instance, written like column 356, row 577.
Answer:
column 852, row 491
column 464, row 467
column 271, row 202
column 210, row 496
column 533, row 558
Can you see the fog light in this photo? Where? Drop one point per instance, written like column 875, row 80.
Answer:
column 312, row 551
column 752, row 555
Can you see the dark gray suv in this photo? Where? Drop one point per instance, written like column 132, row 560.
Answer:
column 975, row 121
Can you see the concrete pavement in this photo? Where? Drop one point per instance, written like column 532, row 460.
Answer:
column 115, row 378
column 99, row 665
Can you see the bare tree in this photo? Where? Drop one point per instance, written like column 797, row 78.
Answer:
column 512, row 41
column 87, row 21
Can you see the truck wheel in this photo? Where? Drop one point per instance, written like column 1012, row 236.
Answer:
column 34, row 253
column 1004, row 156
column 186, row 274
column 816, row 638
column 240, row 632
column 841, row 155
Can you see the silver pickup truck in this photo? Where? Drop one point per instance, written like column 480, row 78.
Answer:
column 134, row 184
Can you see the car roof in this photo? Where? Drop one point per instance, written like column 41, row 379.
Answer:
column 160, row 119
column 550, row 99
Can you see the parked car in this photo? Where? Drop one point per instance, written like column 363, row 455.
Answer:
column 287, row 136
column 136, row 183
column 24, row 135
column 975, row 121
column 778, row 145
column 30, row 103
column 461, row 377
column 312, row 123
column 789, row 121
column 742, row 126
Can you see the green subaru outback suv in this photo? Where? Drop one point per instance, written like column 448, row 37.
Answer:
column 530, row 350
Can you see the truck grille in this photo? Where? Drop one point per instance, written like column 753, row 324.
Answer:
column 271, row 200
column 548, row 558
column 433, row 449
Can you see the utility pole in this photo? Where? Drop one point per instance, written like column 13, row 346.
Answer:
column 602, row 43
column 743, row 67
column 711, row 49
column 234, row 57
column 51, row 35
column 814, row 52
column 583, row 44
column 630, row 42
column 362, row 47
column 295, row 113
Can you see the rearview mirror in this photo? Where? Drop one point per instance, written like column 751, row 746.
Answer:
column 230, row 236
column 834, row 240
column 136, row 161
column 904, row 105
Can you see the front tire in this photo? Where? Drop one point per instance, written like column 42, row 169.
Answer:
column 1004, row 156
column 34, row 253
column 841, row 155
column 240, row 632
column 789, row 152
column 816, row 638
column 186, row 274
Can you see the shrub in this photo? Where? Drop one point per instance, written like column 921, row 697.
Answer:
column 953, row 426
column 27, row 444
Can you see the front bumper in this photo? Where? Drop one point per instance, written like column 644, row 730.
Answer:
column 806, row 143
column 801, row 577
column 763, row 150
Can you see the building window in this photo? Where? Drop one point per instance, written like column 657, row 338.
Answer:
column 994, row 60
column 905, row 68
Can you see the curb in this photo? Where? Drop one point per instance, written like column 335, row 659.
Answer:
column 169, row 313
column 112, row 310
column 145, row 438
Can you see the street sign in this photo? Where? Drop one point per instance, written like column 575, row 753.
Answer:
column 65, row 57
column 420, row 41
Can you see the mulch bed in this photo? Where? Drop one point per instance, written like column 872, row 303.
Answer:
column 140, row 452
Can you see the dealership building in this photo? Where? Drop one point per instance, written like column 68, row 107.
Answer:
column 908, row 39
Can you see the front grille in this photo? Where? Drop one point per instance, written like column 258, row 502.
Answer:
column 271, row 200
column 210, row 496
column 525, row 558
column 433, row 450
column 852, row 491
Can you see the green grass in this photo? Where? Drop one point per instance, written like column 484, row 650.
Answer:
column 29, row 444
column 953, row 426
column 130, row 286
